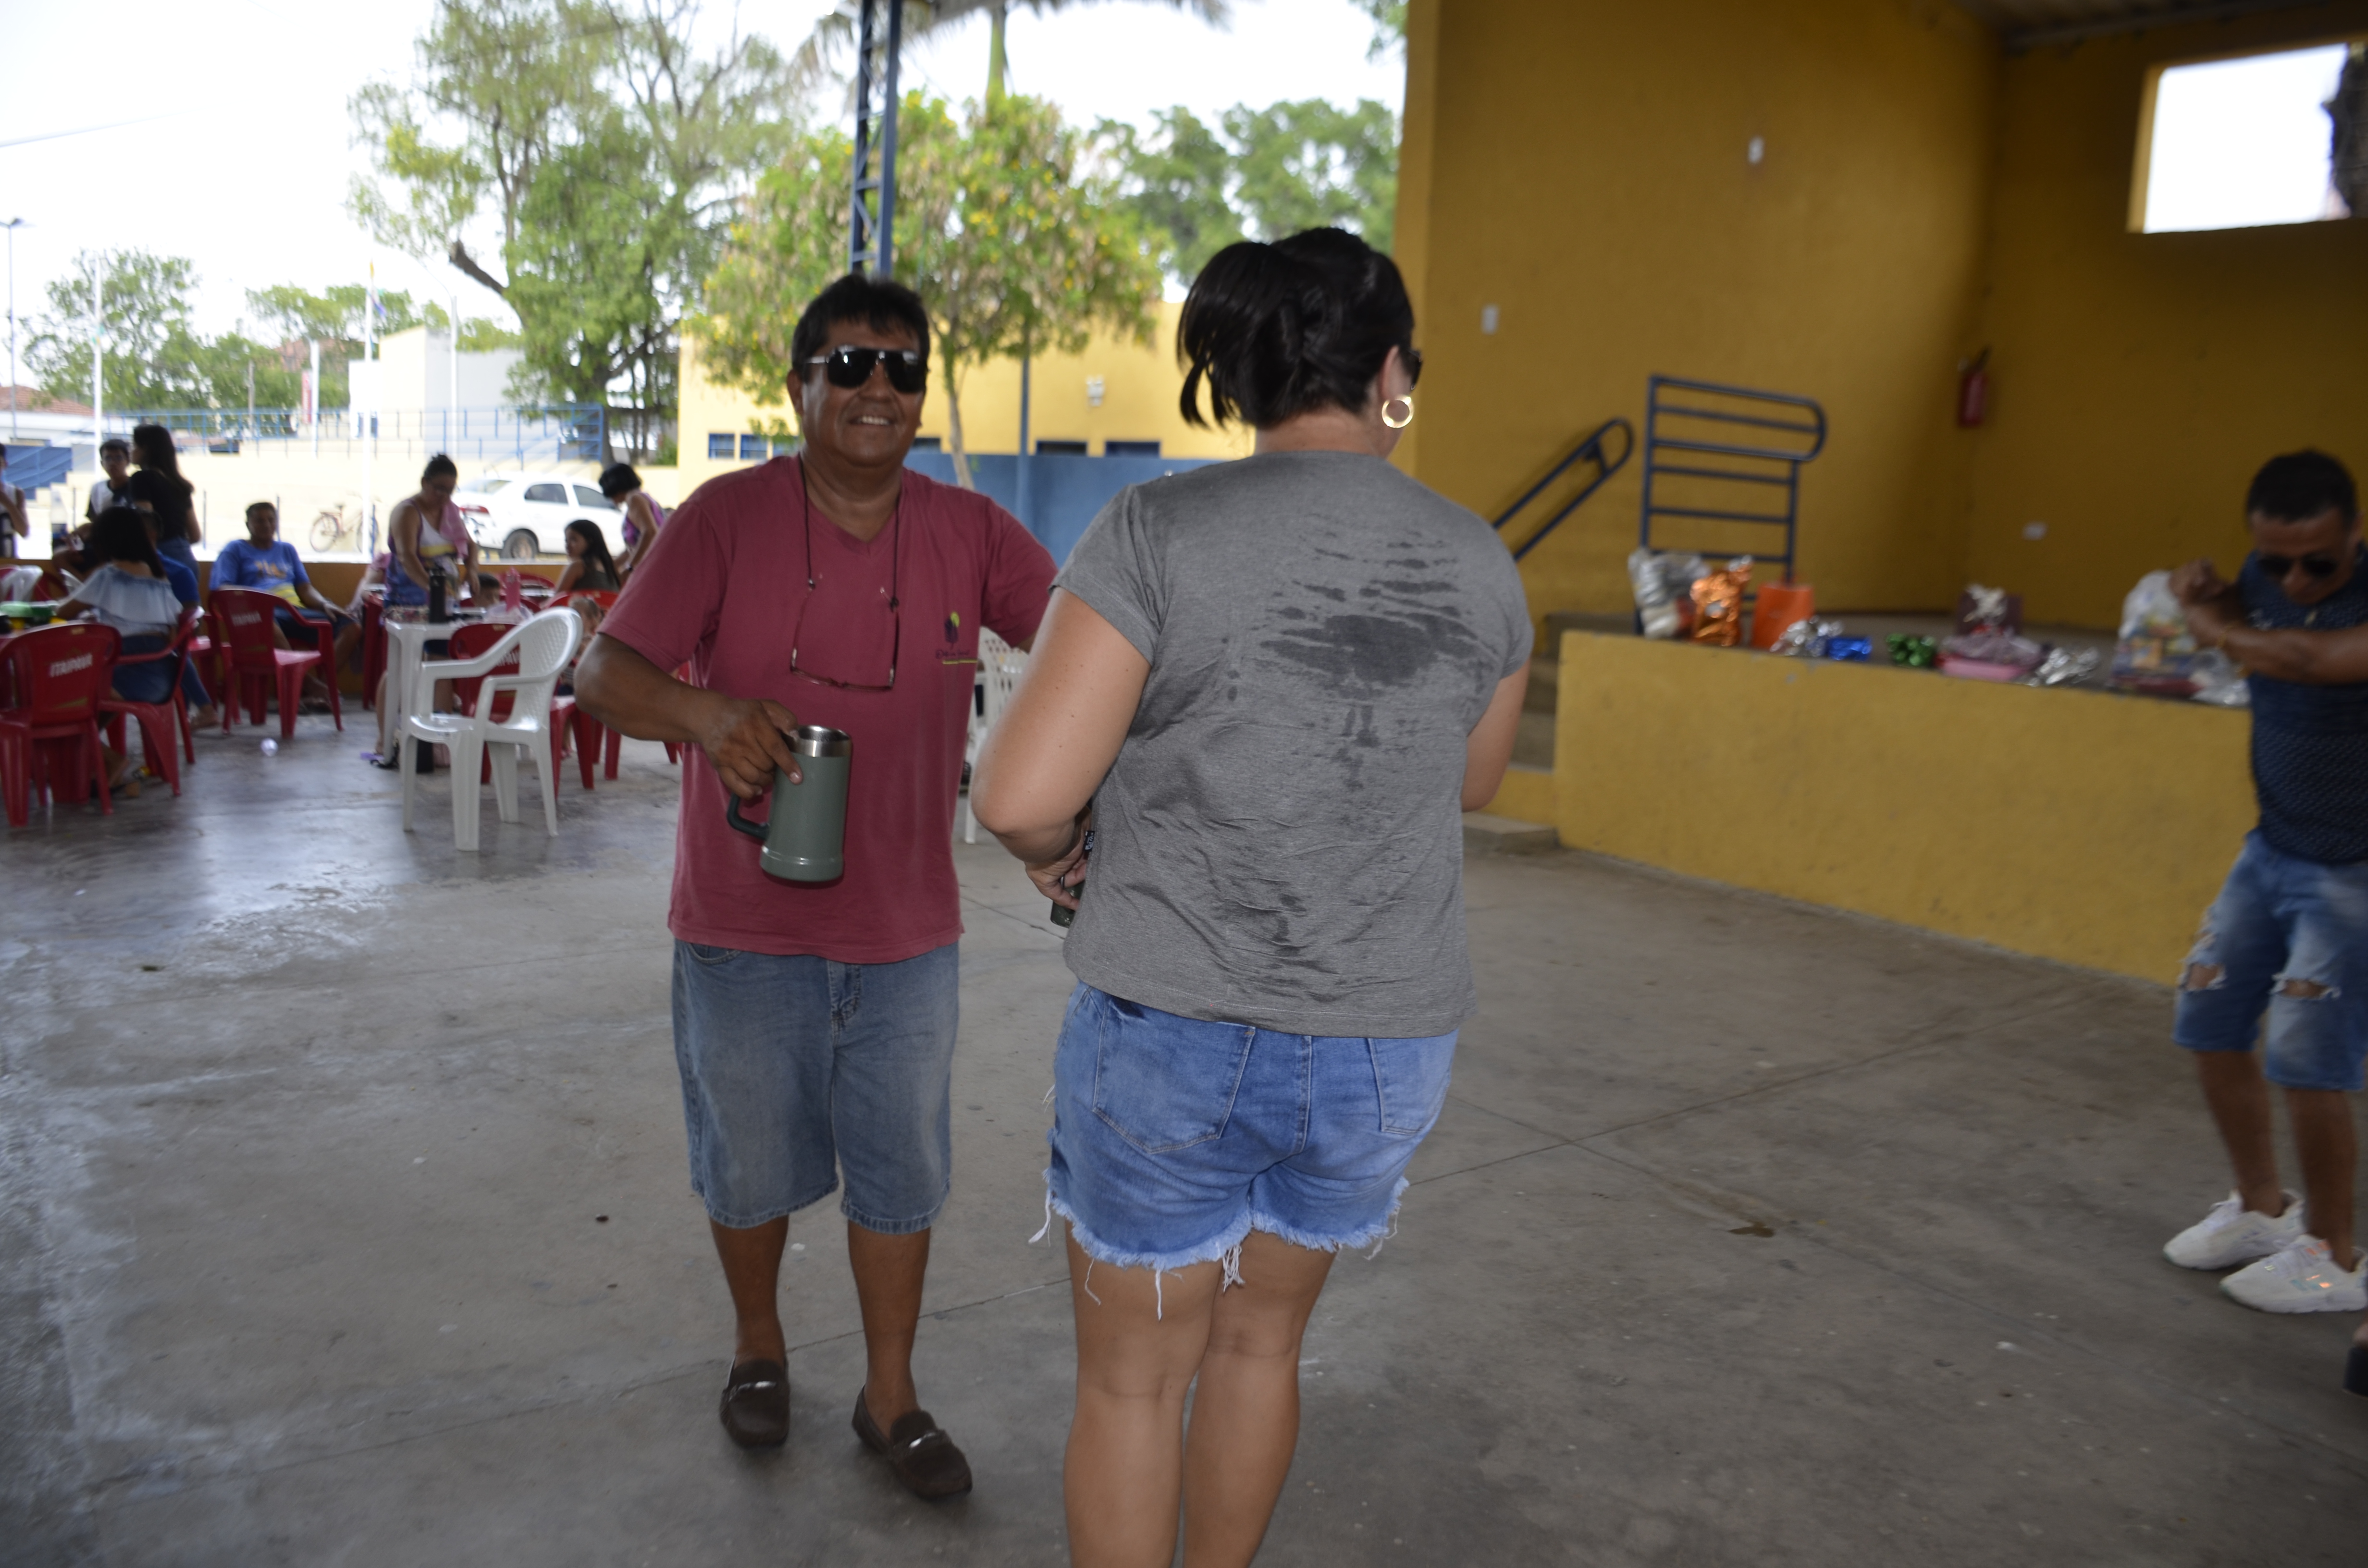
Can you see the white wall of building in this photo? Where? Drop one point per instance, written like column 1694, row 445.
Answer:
column 416, row 372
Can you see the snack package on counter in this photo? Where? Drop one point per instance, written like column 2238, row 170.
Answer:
column 1806, row 639
column 1662, row 585
column 2218, row 680
column 1988, row 610
column 2154, row 654
column 2003, row 650
column 2064, row 666
column 1914, row 653
column 1850, row 650
column 1718, row 603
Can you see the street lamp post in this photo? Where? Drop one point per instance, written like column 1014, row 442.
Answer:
column 13, row 225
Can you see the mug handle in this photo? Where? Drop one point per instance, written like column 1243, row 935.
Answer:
column 731, row 815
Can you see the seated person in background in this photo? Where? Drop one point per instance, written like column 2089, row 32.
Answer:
column 183, row 581
column 590, row 568
column 265, row 561
column 114, row 487
column 128, row 591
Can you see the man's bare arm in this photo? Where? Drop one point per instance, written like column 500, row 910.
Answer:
column 745, row 738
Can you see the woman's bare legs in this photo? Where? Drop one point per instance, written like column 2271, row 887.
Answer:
column 1139, row 1347
column 1245, row 1414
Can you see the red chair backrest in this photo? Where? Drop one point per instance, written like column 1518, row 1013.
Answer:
column 243, row 619
column 471, row 642
column 58, row 674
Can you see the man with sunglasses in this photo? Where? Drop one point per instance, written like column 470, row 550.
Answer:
column 2288, row 935
column 814, row 1025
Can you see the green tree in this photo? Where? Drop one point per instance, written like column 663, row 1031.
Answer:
column 835, row 34
column 1004, row 227
column 1311, row 163
column 1177, row 187
column 614, row 153
column 1389, row 25
column 597, row 274
column 1261, row 174
column 154, row 358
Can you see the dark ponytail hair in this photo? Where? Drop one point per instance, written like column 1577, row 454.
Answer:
column 1276, row 330
column 120, row 533
column 438, row 464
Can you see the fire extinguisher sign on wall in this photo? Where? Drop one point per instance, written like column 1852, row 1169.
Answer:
column 1974, row 390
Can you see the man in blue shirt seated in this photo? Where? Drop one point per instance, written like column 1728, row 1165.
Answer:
column 265, row 561
column 2288, row 936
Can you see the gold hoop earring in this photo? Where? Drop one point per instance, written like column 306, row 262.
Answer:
column 1403, row 420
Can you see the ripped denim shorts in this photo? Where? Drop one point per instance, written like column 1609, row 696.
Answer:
column 2288, row 937
column 1173, row 1137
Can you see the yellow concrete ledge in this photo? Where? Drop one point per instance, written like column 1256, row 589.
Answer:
column 2074, row 825
column 1526, row 795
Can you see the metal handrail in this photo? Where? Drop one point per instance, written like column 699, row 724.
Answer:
column 1659, row 406
column 1590, row 446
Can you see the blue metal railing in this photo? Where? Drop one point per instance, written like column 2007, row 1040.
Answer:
column 1590, row 449
column 1688, row 419
column 555, row 432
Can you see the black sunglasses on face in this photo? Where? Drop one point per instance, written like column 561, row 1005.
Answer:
column 908, row 369
column 2280, row 567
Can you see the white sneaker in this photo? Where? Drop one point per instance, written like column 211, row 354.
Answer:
column 2300, row 1278
column 2233, row 1233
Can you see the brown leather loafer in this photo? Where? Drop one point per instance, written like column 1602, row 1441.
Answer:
column 920, row 1453
column 755, row 1409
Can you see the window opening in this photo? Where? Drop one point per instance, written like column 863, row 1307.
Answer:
column 2258, row 139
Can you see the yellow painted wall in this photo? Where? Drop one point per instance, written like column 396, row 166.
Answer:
column 2074, row 825
column 1581, row 164
column 2140, row 379
column 1140, row 383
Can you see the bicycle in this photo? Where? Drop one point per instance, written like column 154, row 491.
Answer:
column 330, row 530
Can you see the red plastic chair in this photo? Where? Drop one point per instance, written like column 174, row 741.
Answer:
column 591, row 735
column 251, row 661
column 471, row 641
column 164, row 726
column 373, row 646
column 58, row 676
column 325, row 642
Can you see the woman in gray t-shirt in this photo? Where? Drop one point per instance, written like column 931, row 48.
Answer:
column 1270, row 688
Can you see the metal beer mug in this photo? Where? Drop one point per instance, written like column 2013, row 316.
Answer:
column 806, row 834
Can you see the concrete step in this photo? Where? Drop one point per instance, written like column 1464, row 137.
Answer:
column 1487, row 835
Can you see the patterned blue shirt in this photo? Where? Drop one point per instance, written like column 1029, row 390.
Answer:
column 2310, row 743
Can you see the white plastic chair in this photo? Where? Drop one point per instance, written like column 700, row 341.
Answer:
column 999, row 664
column 543, row 647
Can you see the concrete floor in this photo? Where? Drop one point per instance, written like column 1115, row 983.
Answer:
column 1752, row 1235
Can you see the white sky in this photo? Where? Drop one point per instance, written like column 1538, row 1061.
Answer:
column 250, row 181
column 2238, row 142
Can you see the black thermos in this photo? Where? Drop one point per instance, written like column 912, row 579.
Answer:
column 439, row 612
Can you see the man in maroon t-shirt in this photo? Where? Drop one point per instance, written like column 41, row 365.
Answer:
column 814, row 1025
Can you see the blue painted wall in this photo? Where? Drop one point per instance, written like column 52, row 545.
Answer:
column 1054, row 496
column 37, row 468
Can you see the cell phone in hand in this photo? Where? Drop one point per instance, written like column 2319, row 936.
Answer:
column 1063, row 915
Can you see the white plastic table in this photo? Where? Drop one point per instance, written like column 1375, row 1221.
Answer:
column 406, row 641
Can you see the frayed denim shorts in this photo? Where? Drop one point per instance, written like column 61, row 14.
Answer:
column 2288, row 937
column 798, row 1070
column 1174, row 1138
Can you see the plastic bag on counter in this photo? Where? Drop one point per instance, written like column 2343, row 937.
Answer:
column 2218, row 680
column 1718, row 603
column 2064, row 666
column 1912, row 651
column 2154, row 652
column 1999, row 655
column 1983, row 608
column 1663, row 585
column 1806, row 639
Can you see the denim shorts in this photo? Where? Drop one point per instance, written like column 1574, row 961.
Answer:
column 1174, row 1138
column 2288, row 937
column 796, row 1070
